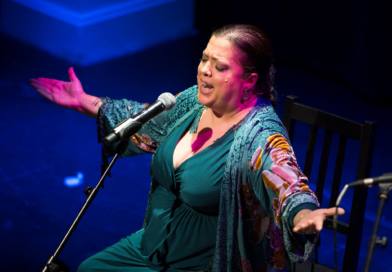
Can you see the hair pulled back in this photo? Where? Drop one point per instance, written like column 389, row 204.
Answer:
column 257, row 55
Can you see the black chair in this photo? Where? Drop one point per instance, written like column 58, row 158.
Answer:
column 325, row 128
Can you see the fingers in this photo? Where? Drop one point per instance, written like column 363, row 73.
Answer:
column 44, row 92
column 314, row 221
column 318, row 224
column 298, row 228
column 46, row 87
column 310, row 222
column 71, row 74
column 332, row 211
column 45, row 82
column 309, row 226
column 41, row 87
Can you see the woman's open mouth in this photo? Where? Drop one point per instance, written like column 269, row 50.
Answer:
column 205, row 88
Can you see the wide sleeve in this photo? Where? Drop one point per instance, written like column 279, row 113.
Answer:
column 147, row 139
column 113, row 112
column 282, row 189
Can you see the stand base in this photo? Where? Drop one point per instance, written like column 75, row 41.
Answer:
column 57, row 266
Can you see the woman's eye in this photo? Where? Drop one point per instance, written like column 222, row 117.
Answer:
column 220, row 68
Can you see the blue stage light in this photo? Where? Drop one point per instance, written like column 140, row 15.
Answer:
column 87, row 32
column 74, row 181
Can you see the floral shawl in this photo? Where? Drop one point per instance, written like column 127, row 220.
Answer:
column 261, row 191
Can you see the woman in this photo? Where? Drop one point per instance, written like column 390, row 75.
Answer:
column 227, row 193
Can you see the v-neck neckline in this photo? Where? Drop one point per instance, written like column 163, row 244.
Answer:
column 187, row 130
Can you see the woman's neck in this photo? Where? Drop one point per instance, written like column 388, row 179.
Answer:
column 232, row 115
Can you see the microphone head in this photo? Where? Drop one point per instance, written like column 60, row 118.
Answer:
column 168, row 100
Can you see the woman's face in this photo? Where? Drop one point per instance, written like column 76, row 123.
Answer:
column 220, row 76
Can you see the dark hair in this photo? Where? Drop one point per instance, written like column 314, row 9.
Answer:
column 257, row 55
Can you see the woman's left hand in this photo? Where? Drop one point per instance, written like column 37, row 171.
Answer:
column 311, row 222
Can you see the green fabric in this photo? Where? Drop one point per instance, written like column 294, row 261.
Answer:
column 262, row 185
column 124, row 256
column 181, row 230
column 184, row 202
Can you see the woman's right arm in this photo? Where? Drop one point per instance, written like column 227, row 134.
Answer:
column 68, row 94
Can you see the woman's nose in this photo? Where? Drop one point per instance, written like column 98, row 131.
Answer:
column 205, row 69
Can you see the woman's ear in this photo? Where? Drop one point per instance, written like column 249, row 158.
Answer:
column 250, row 81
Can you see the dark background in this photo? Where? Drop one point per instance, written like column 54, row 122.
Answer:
column 345, row 41
column 334, row 55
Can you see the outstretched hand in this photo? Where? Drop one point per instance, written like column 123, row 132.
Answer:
column 64, row 93
column 68, row 94
column 311, row 222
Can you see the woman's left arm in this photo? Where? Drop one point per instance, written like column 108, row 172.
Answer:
column 294, row 197
column 286, row 194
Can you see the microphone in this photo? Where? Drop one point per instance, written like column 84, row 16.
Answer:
column 386, row 178
column 131, row 125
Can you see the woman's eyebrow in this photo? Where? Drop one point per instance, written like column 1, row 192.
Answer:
column 212, row 57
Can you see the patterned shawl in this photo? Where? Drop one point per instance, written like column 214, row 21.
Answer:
column 261, row 190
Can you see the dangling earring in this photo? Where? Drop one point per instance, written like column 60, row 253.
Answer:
column 245, row 96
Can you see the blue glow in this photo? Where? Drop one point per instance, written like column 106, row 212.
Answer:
column 85, row 18
column 74, row 181
column 86, row 32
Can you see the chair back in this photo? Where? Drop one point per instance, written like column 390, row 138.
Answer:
column 330, row 129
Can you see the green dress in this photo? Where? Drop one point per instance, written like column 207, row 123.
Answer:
column 251, row 172
column 181, row 231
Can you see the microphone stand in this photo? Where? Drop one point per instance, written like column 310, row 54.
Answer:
column 375, row 240
column 51, row 265
column 116, row 141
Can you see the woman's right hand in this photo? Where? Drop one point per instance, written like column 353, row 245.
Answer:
column 68, row 94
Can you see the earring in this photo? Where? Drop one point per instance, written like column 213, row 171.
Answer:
column 245, row 96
